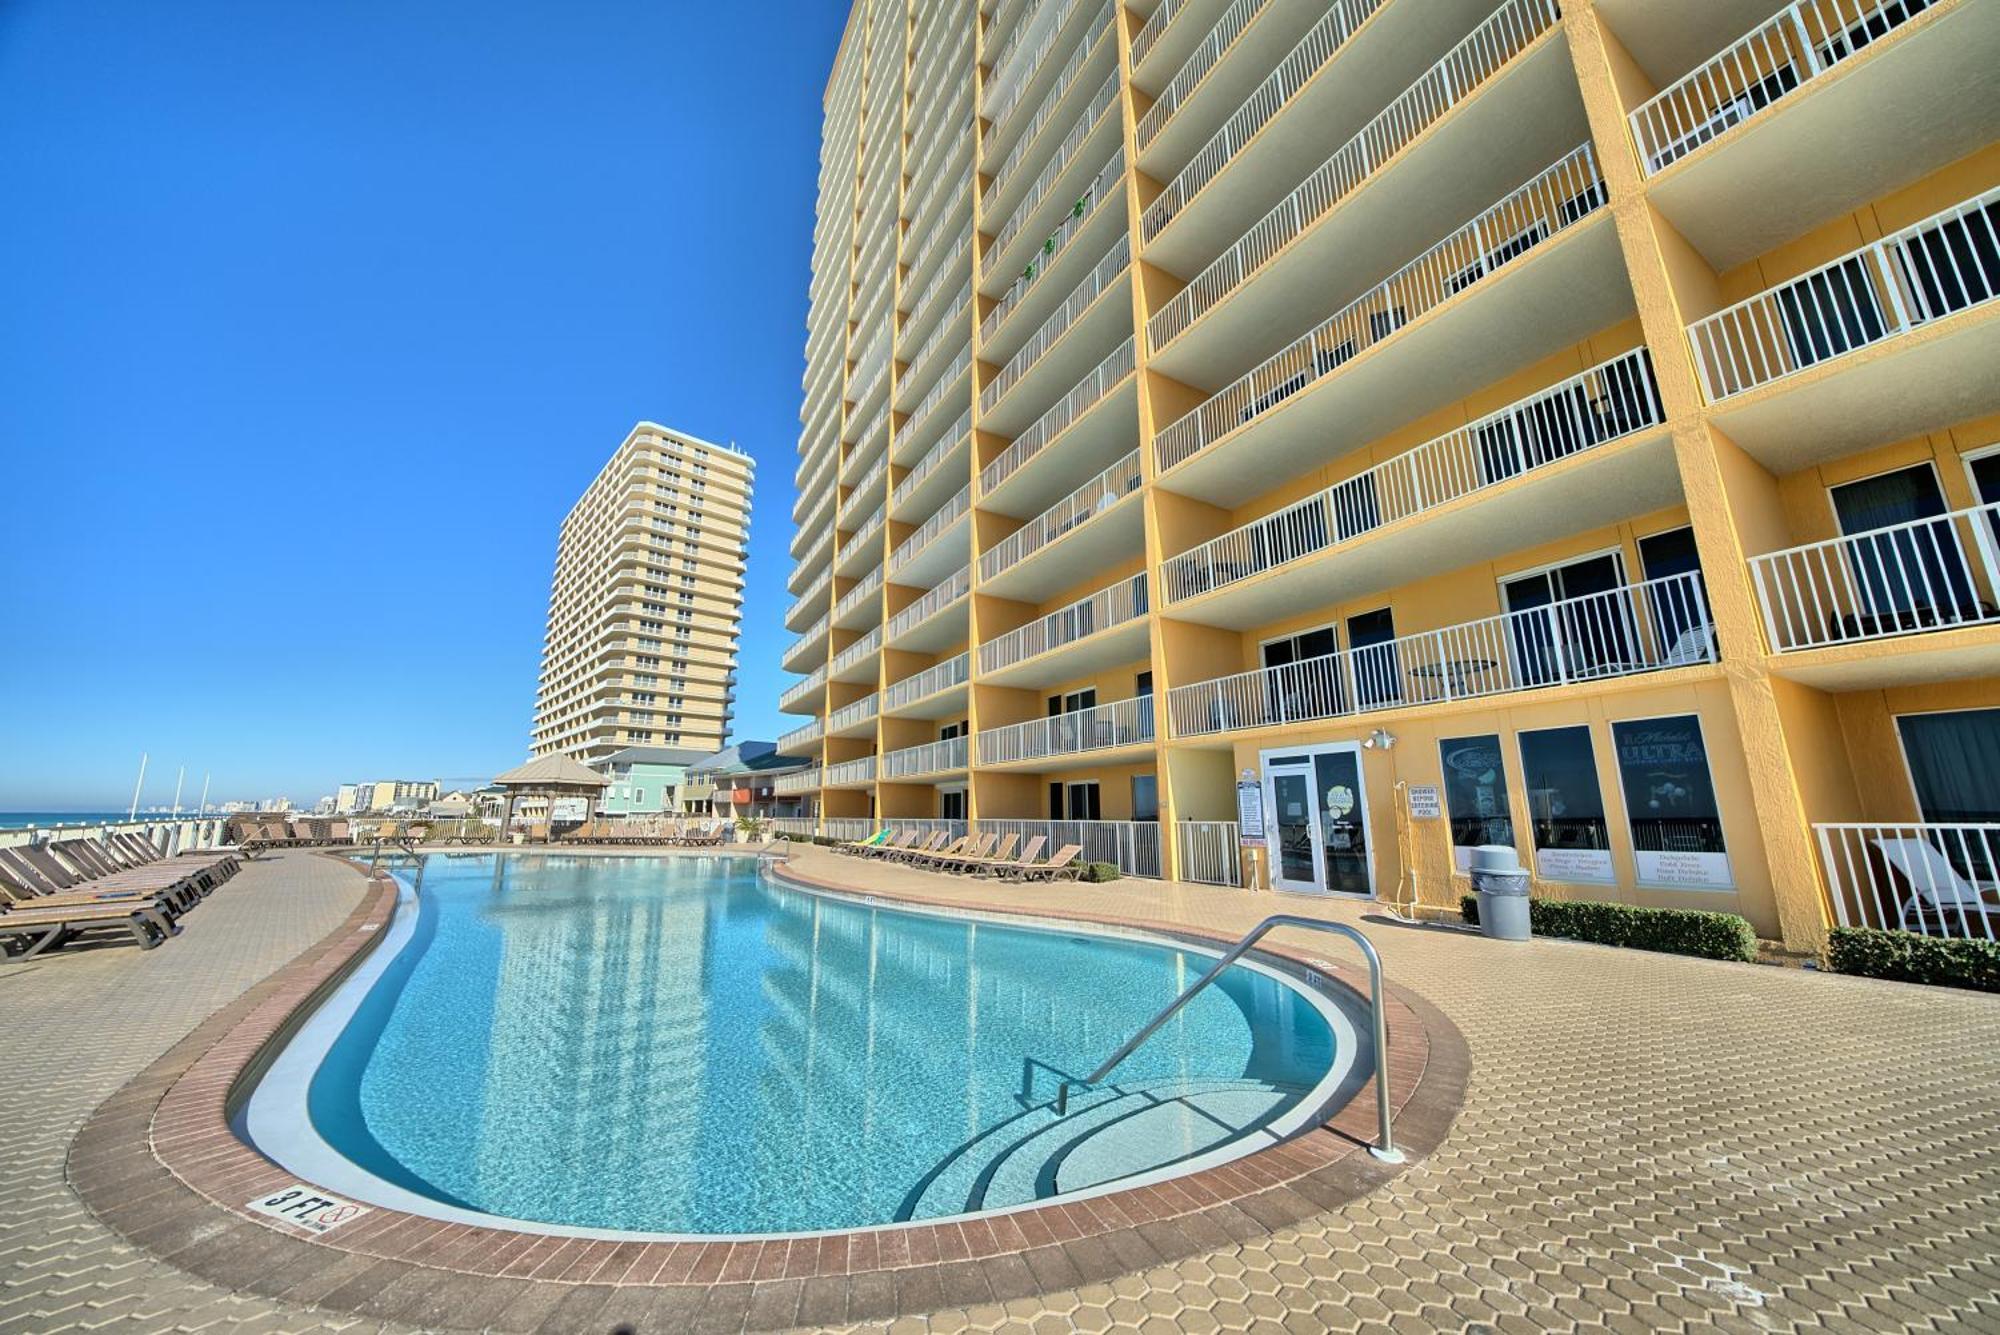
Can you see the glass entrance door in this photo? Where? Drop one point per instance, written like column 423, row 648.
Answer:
column 1318, row 821
column 1343, row 831
column 1293, row 864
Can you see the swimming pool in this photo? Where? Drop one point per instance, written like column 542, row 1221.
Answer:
column 675, row 1046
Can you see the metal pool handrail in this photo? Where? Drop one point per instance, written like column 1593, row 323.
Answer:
column 1385, row 1146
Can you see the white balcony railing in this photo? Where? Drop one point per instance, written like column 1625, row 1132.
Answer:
column 1110, row 372
column 805, row 735
column 861, row 711
column 813, row 634
column 1930, row 879
column 870, row 527
column 1766, row 64
column 815, row 592
column 932, row 461
column 870, row 585
column 801, row 691
column 1104, row 186
column 947, row 514
column 1947, row 263
column 940, row 677
column 1154, row 28
column 1298, row 68
column 868, row 644
column 1209, row 852
column 1648, row 627
column 1014, row 68
column 946, row 383
column 1060, row 87
column 850, row 772
column 930, row 758
column 1072, row 511
column 1131, row 846
column 1100, row 728
column 935, row 601
column 1100, row 104
column 952, row 325
column 1108, row 607
column 800, row 781
column 1486, row 50
column 1937, row 573
column 847, row 828
column 1606, row 403
column 1554, row 201
column 1196, row 67
column 1115, row 262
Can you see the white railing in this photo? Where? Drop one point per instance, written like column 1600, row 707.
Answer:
column 850, row 771
column 873, row 366
column 940, row 677
column 1131, row 846
column 936, row 240
column 1947, row 263
column 936, row 285
column 1603, row 404
column 1297, row 69
column 947, row 515
column 930, row 758
column 870, row 526
column 1209, row 852
column 923, row 609
column 814, row 591
column 1014, row 69
column 1115, row 262
column 1925, row 574
column 949, row 326
column 799, row 691
column 1196, row 67
column 1100, row 104
column 961, row 185
column 170, row 834
column 813, row 634
column 946, row 382
column 860, row 649
column 799, row 781
column 870, row 585
column 920, row 826
column 1099, row 728
column 1057, row 90
column 1766, row 64
column 1104, row 186
column 1647, row 627
column 804, row 736
column 1931, row 879
column 1486, row 50
column 1156, row 25
column 1553, row 201
column 861, row 711
column 872, row 476
column 1108, row 607
column 929, row 464
column 1071, row 512
column 1110, row 372
column 803, row 826
column 848, row 827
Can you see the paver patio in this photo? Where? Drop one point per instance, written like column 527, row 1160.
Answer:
column 1646, row 1142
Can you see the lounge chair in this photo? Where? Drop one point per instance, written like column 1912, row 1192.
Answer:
column 977, row 862
column 40, row 869
column 933, row 842
column 1941, row 891
column 27, row 931
column 898, row 844
column 137, row 851
column 1000, row 866
column 873, row 841
column 1063, row 866
column 93, row 861
column 966, row 850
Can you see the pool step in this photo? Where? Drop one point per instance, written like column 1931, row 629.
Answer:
column 1109, row 1133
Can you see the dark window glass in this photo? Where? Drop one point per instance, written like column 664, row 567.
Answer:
column 1669, row 794
column 1565, row 805
column 1475, row 792
column 1145, row 797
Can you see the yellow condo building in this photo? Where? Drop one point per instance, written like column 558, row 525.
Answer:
column 1409, row 425
column 646, row 602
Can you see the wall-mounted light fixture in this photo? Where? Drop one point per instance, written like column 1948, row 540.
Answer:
column 1379, row 740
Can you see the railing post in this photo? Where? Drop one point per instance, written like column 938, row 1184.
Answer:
column 1556, row 641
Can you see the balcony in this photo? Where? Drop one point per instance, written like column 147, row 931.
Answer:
column 1082, row 732
column 1095, row 312
column 1131, row 846
column 929, row 485
column 803, row 781
column 1089, row 529
column 1500, row 103
column 1535, row 273
column 813, row 599
column 953, row 332
column 1816, row 111
column 860, row 606
column 1782, row 367
column 1169, row 35
column 850, row 774
column 1643, row 628
column 952, row 389
column 1096, row 631
column 935, row 621
column 1917, row 581
column 1249, row 38
column 855, row 719
column 862, row 548
column 859, row 661
column 791, row 742
column 936, row 692
column 1095, row 221
column 1930, row 879
column 928, row 760
column 1094, row 57
column 1093, row 424
column 1023, row 73
column 937, row 546
column 1055, row 191
column 1373, row 531
column 809, row 650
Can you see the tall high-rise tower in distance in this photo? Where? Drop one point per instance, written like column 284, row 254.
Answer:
column 647, row 600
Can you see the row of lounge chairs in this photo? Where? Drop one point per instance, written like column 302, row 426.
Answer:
column 254, row 834
column 53, row 894
column 651, row 834
column 971, row 855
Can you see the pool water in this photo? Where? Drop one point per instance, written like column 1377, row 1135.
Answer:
column 676, row 1045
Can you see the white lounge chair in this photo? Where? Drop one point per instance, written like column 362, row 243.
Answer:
column 1941, row 891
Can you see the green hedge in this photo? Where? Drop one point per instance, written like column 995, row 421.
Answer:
column 1910, row 958
column 1094, row 872
column 1714, row 936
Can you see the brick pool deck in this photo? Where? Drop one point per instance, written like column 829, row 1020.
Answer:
column 1645, row 1142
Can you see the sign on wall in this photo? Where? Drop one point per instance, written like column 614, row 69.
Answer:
column 1426, row 801
column 1249, row 813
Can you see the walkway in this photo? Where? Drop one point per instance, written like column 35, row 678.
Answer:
column 1646, row 1142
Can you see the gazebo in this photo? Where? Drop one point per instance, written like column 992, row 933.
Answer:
column 552, row 777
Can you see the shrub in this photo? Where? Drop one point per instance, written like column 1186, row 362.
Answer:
column 1714, row 936
column 1095, row 872
column 1908, row 957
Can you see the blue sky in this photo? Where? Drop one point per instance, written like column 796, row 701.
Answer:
column 314, row 320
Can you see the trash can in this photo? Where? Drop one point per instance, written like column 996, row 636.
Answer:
column 1502, row 884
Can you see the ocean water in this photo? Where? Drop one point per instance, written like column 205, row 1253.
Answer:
column 670, row 1044
column 15, row 820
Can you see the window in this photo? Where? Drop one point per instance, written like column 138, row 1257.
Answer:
column 1907, row 573
column 1370, row 642
column 1072, row 701
column 1683, row 627
column 1475, row 795
column 1566, row 806
column 1074, row 801
column 1585, row 631
column 1670, row 803
column 1145, row 797
column 1954, row 760
column 951, row 804
column 1307, row 684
